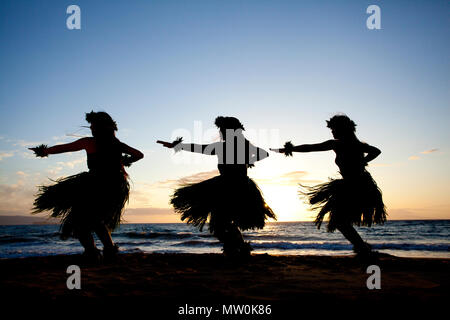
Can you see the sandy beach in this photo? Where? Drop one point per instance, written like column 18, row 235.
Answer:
column 174, row 281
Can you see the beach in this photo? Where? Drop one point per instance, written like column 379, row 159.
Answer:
column 176, row 282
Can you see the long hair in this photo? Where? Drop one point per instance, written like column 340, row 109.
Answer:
column 228, row 123
column 342, row 124
column 104, row 124
column 103, row 130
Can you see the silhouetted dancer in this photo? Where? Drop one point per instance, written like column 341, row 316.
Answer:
column 91, row 201
column 232, row 201
column 353, row 199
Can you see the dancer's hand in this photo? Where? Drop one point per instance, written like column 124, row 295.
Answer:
column 287, row 149
column 40, row 151
column 127, row 160
column 171, row 145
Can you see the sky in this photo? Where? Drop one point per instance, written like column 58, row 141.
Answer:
column 167, row 68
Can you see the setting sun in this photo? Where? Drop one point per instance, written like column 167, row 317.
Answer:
column 285, row 202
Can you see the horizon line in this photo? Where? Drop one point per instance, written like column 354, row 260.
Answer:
column 50, row 224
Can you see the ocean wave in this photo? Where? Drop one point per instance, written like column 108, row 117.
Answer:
column 282, row 237
column 412, row 246
column 31, row 237
column 197, row 243
column 341, row 246
column 293, row 246
column 12, row 239
column 153, row 235
column 48, row 234
column 134, row 243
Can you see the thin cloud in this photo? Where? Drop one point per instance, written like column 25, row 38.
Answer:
column 170, row 183
column 420, row 213
column 146, row 194
column 73, row 163
column 16, row 197
column 25, row 144
column 150, row 210
column 383, row 165
column 63, row 139
column 28, row 154
column 197, row 177
column 54, row 171
column 424, row 152
column 292, row 178
column 430, row 151
column 4, row 155
column 151, row 215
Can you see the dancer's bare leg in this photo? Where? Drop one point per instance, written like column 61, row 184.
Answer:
column 110, row 250
column 87, row 241
column 105, row 236
column 352, row 235
column 91, row 253
column 233, row 242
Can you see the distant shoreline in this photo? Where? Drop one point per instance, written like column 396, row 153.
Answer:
column 26, row 220
column 19, row 220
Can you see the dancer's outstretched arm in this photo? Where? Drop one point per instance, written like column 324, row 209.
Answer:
column 323, row 146
column 208, row 149
column 371, row 151
column 86, row 144
column 80, row 144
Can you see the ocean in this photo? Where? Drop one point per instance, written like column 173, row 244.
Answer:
column 427, row 238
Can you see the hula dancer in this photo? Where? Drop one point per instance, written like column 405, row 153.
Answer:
column 91, row 201
column 353, row 199
column 231, row 201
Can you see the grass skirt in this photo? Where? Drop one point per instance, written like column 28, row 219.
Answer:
column 84, row 201
column 223, row 200
column 355, row 200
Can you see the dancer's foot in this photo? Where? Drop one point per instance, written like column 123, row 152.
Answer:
column 110, row 254
column 363, row 247
column 92, row 255
column 366, row 254
column 245, row 249
column 237, row 252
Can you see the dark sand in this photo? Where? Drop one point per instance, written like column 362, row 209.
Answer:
column 168, row 281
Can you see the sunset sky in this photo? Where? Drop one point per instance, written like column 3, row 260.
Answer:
column 167, row 68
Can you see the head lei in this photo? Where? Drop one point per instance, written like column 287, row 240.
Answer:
column 224, row 123
column 341, row 121
column 101, row 119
